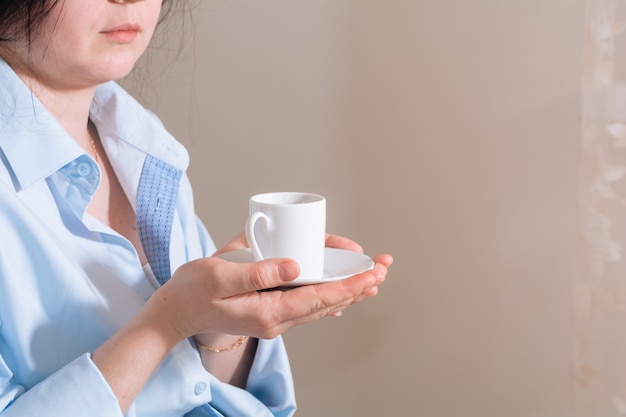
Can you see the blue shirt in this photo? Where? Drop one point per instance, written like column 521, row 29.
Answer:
column 68, row 282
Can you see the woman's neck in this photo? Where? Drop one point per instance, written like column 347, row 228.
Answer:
column 69, row 106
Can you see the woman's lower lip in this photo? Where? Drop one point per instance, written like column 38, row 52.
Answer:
column 121, row 36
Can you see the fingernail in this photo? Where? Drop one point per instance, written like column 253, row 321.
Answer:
column 371, row 292
column 288, row 270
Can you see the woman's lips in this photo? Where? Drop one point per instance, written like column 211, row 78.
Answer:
column 123, row 33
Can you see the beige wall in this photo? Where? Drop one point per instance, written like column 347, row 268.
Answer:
column 442, row 131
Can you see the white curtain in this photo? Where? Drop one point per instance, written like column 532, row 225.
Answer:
column 599, row 352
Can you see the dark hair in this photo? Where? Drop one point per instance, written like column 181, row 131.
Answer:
column 19, row 19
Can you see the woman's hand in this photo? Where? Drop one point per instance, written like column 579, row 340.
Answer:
column 211, row 298
column 211, row 295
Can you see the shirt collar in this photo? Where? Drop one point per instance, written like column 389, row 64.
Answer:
column 36, row 145
column 32, row 140
column 120, row 118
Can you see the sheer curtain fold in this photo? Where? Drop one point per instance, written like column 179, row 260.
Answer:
column 599, row 293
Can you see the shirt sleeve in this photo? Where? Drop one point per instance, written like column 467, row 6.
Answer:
column 78, row 389
column 269, row 391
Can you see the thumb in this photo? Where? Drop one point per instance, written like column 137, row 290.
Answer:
column 238, row 278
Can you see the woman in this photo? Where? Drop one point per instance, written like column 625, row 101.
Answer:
column 92, row 322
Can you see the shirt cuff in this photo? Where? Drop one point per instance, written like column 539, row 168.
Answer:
column 269, row 391
column 77, row 389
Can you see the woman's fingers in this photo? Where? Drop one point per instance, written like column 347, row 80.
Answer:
column 304, row 304
column 380, row 271
column 214, row 295
column 238, row 242
column 384, row 259
column 340, row 242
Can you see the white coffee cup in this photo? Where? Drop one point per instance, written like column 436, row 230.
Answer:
column 289, row 225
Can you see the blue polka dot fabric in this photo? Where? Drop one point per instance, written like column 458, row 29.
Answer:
column 156, row 202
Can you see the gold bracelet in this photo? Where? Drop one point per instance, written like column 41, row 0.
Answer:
column 238, row 343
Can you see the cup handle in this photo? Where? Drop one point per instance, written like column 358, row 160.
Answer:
column 250, row 223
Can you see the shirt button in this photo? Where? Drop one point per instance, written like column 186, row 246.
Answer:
column 199, row 388
column 84, row 169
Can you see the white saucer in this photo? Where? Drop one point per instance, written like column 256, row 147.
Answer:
column 338, row 264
